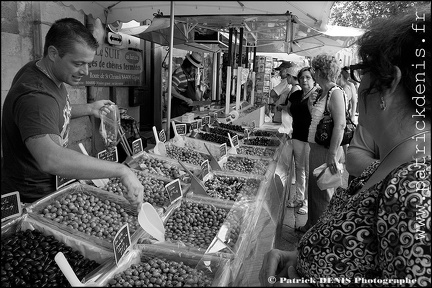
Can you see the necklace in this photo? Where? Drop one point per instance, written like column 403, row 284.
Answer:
column 403, row 141
column 43, row 70
column 307, row 94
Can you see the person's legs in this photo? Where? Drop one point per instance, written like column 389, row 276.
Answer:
column 318, row 199
column 300, row 148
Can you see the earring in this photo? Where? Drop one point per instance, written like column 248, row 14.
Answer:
column 383, row 104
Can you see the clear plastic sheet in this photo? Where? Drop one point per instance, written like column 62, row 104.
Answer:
column 251, row 192
column 37, row 207
column 109, row 127
column 143, row 176
column 199, row 156
column 98, row 254
column 215, row 267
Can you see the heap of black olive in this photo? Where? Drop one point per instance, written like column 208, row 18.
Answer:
column 28, row 260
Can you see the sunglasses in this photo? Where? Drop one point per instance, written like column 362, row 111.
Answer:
column 357, row 70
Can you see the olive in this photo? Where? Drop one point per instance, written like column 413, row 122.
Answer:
column 8, row 267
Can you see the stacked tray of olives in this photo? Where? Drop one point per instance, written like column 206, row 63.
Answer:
column 154, row 188
column 28, row 261
column 246, row 165
column 232, row 187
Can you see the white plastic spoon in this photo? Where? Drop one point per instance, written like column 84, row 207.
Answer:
column 178, row 140
column 70, row 275
column 151, row 222
column 159, row 148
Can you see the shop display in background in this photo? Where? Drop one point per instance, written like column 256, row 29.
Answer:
column 131, row 133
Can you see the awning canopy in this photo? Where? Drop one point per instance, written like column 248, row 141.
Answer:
column 301, row 28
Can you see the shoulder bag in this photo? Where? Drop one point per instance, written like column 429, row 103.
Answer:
column 325, row 126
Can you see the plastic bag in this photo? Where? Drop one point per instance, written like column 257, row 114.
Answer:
column 286, row 124
column 327, row 180
column 109, row 127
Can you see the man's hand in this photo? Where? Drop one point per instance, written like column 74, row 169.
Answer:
column 189, row 101
column 135, row 190
column 101, row 106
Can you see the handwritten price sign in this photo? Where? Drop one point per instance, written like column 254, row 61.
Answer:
column 10, row 205
column 174, row 190
column 205, row 168
column 235, row 141
column 194, row 125
column 206, row 120
column 223, row 150
column 121, row 242
column 137, row 146
column 162, row 136
column 181, row 129
column 109, row 156
column 61, row 182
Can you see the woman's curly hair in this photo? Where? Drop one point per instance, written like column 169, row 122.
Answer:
column 394, row 42
column 327, row 65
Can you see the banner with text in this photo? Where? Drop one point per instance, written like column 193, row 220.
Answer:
column 115, row 67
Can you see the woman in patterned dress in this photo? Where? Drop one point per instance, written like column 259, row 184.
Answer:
column 377, row 231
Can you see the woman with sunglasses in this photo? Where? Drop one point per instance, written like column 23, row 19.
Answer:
column 378, row 230
column 325, row 70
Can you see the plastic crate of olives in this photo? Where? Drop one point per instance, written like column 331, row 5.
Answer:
column 262, row 141
column 225, row 185
column 199, row 145
column 260, row 151
column 29, row 248
column 247, row 164
column 86, row 212
column 195, row 222
column 160, row 266
column 185, row 154
column 162, row 166
column 154, row 188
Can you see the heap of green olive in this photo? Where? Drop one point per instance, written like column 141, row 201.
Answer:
column 160, row 272
column 89, row 214
column 231, row 187
column 246, row 165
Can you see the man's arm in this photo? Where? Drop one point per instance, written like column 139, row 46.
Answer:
column 91, row 109
column 176, row 94
column 57, row 160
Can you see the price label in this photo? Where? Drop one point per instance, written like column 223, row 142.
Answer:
column 200, row 123
column 137, row 146
column 212, row 117
column 162, row 136
column 205, row 168
column 10, row 205
column 194, row 125
column 108, row 156
column 121, row 242
column 181, row 129
column 61, row 182
column 235, row 141
column 206, row 120
column 174, row 190
column 223, row 150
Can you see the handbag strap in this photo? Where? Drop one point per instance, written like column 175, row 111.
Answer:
column 326, row 112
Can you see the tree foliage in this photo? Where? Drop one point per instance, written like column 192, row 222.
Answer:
column 359, row 14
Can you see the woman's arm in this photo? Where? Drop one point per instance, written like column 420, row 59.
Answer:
column 337, row 111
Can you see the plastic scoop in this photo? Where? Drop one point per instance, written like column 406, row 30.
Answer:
column 232, row 149
column 178, row 140
column 98, row 182
column 159, row 148
column 70, row 275
column 151, row 222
